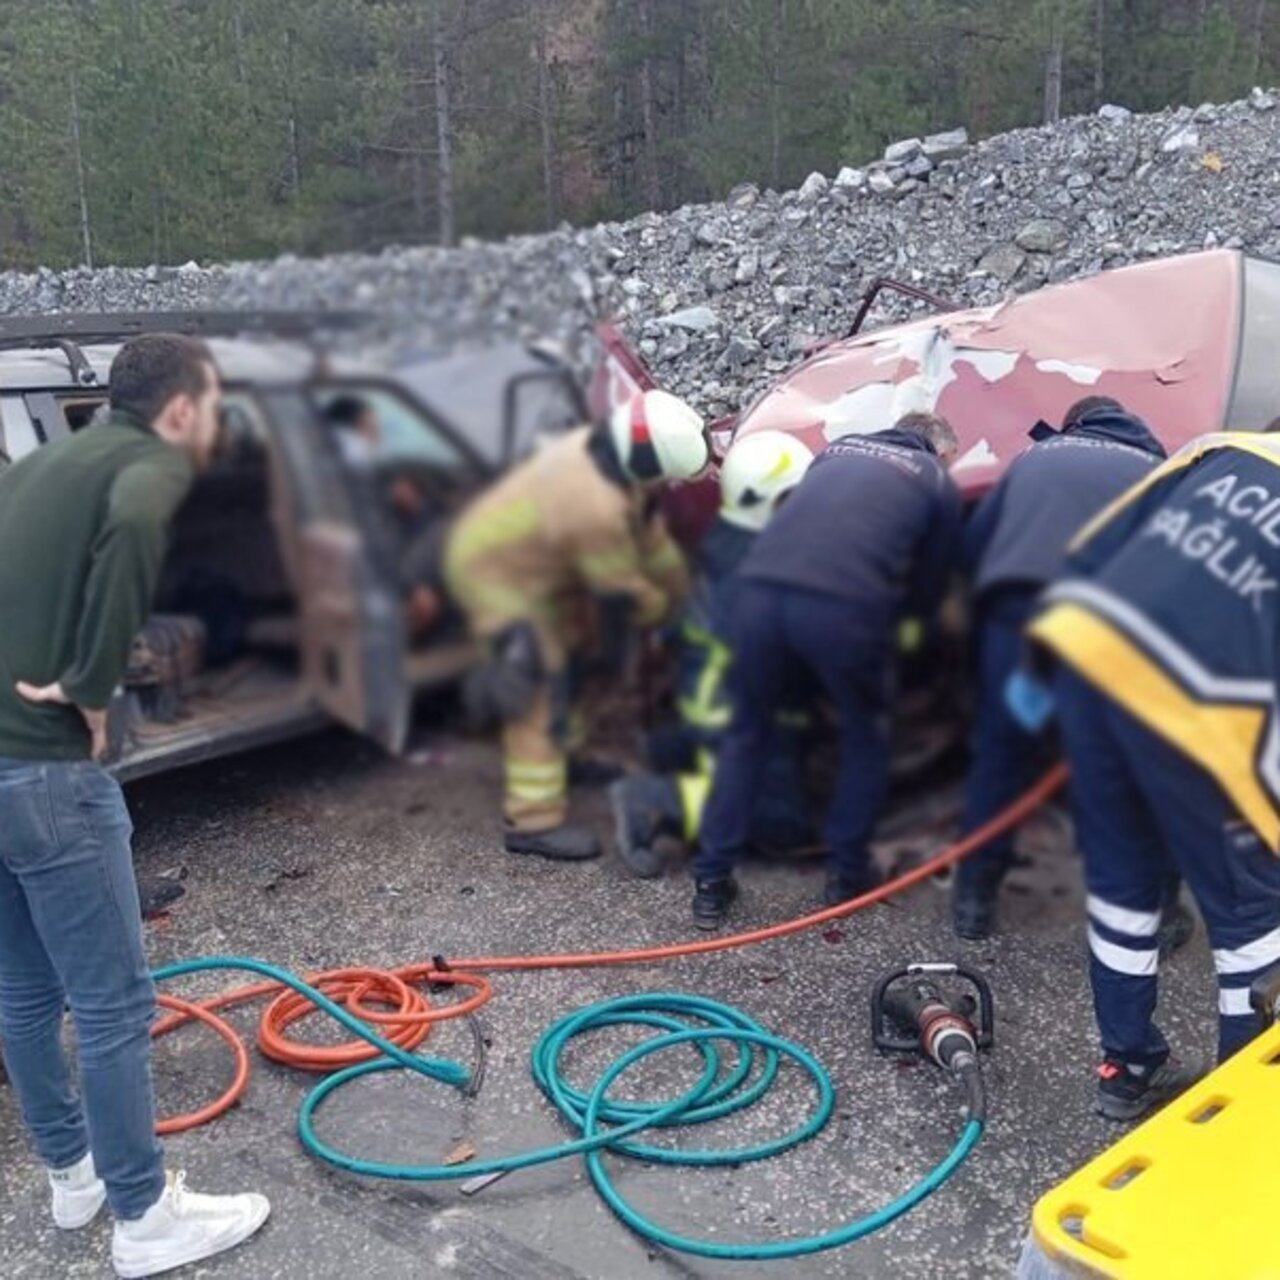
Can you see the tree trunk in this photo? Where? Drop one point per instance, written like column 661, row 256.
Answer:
column 648, row 111
column 295, row 160
column 1053, row 68
column 546, row 117
column 444, row 130
column 1255, row 39
column 1099, row 52
column 86, row 229
column 775, row 95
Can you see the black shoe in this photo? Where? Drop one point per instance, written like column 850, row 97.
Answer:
column 843, row 885
column 560, row 844
column 1177, row 928
column 711, row 901
column 645, row 807
column 1126, row 1094
column 157, row 894
column 589, row 772
column 973, row 916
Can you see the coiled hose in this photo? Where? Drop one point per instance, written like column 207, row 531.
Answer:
column 361, row 999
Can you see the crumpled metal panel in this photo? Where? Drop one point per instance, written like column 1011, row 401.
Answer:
column 1162, row 338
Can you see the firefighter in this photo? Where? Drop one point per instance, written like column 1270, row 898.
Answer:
column 866, row 539
column 577, row 519
column 1163, row 626
column 757, row 475
column 1014, row 544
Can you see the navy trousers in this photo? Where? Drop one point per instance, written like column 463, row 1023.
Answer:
column 785, row 640
column 1143, row 809
column 1005, row 758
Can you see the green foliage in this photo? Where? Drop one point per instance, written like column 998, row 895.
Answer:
column 217, row 129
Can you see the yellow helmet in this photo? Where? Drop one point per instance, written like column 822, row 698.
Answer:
column 757, row 472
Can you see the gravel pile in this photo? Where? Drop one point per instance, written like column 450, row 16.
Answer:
column 720, row 298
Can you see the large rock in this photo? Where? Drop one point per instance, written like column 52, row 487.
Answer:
column 1042, row 235
column 901, row 152
column 695, row 319
column 1003, row 261
column 1184, row 139
column 946, row 146
column 814, row 188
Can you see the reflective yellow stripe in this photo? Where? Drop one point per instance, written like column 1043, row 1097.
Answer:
column 694, row 789
column 534, row 781
column 527, row 771
column 1222, row 739
column 484, row 531
column 706, row 708
column 665, row 557
column 607, row 565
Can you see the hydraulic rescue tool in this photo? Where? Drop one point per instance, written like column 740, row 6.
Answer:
column 913, row 1012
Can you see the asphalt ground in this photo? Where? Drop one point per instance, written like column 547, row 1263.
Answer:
column 323, row 853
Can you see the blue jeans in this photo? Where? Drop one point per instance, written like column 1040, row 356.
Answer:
column 71, row 933
column 1143, row 810
column 786, row 641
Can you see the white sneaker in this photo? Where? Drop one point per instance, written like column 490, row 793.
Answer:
column 78, row 1194
column 183, row 1227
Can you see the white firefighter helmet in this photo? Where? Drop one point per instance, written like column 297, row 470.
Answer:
column 756, row 473
column 659, row 437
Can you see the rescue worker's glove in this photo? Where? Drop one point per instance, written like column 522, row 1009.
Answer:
column 1029, row 701
column 503, row 688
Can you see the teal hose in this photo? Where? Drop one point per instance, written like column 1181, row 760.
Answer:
column 729, row 1082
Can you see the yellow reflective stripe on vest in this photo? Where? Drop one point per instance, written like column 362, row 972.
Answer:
column 605, row 566
column 486, row 530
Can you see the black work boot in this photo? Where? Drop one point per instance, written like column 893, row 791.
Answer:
column 644, row 807
column 561, row 844
column 156, row 894
column 843, row 884
column 711, row 901
column 973, row 902
column 1127, row 1093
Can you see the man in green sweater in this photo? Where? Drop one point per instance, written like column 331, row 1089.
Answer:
column 83, row 532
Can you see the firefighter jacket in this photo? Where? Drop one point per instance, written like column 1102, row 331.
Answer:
column 563, row 522
column 1169, row 605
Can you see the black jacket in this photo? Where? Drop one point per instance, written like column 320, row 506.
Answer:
column 875, row 521
column 1018, row 535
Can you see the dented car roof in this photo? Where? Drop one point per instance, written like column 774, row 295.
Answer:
column 1191, row 344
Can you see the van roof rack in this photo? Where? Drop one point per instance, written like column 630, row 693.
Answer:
column 105, row 326
column 66, row 331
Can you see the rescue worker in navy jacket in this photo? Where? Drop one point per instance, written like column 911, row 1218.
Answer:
column 867, row 538
column 757, row 475
column 1164, row 627
column 1014, row 545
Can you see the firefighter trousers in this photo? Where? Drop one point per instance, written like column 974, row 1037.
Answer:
column 1141, row 807
column 786, row 640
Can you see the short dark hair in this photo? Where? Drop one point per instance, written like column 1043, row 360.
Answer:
column 151, row 369
column 933, row 427
column 1090, row 404
column 346, row 410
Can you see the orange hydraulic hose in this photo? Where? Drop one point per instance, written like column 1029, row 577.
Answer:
column 1023, row 807
column 403, row 1014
